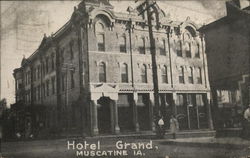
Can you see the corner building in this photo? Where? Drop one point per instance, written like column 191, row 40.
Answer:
column 94, row 75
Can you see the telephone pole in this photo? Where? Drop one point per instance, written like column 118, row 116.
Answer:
column 147, row 9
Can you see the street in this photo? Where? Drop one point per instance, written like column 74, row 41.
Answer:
column 161, row 149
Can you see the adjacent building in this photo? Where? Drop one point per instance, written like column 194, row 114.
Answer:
column 228, row 55
column 94, row 75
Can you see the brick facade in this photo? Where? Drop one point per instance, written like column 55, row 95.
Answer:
column 107, row 60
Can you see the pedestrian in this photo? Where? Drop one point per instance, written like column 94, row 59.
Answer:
column 161, row 127
column 174, row 126
column 246, row 123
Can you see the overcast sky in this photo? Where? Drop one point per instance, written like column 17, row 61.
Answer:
column 23, row 24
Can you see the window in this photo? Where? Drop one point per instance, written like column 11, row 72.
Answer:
column 180, row 100
column 43, row 90
column 34, row 93
column 38, row 72
column 181, row 75
column 124, row 73
column 100, row 42
column 102, row 72
column 72, row 79
column 141, row 48
column 162, row 48
column 39, row 92
column 100, row 36
column 53, row 85
column 199, row 76
column 199, row 100
column 63, row 82
column 190, row 75
column 179, row 49
column 47, row 87
column 164, row 75
column 47, row 64
column 188, row 50
column 197, row 53
column 71, row 44
column 62, row 56
column 122, row 44
column 34, row 74
column 52, row 62
column 144, row 74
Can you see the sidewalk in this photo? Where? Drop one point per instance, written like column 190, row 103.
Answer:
column 227, row 142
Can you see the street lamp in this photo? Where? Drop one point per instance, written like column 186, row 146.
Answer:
column 67, row 67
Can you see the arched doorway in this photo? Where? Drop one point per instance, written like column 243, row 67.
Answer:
column 104, row 115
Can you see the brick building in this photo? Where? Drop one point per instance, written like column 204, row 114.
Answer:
column 94, row 75
column 227, row 48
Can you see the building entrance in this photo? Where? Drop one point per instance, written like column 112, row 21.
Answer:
column 104, row 115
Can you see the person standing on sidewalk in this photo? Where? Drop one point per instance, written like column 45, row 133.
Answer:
column 161, row 127
column 174, row 126
column 246, row 123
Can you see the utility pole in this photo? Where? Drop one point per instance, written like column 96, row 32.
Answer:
column 153, row 56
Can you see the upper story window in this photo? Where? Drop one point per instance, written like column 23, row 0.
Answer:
column 71, row 45
column 188, row 50
column 47, row 87
column 47, row 64
column 52, row 62
column 190, row 75
column 144, row 74
column 34, row 74
column 53, row 85
column 199, row 76
column 63, row 82
column 72, row 79
column 124, row 73
column 181, row 75
column 164, row 74
column 102, row 72
column 162, row 47
column 179, row 49
column 197, row 52
column 100, row 36
column 62, row 55
column 142, row 46
column 122, row 44
column 38, row 71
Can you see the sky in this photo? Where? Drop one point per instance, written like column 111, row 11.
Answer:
column 24, row 23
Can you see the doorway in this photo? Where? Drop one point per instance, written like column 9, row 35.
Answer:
column 104, row 115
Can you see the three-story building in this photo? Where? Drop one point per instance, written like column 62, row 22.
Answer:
column 95, row 73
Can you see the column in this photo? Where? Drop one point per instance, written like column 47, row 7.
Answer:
column 94, row 120
column 209, row 115
column 151, row 111
column 135, row 113
column 114, row 117
column 174, row 102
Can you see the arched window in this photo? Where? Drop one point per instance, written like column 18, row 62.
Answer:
column 197, row 53
column 100, row 36
column 179, row 49
column 164, row 74
column 190, row 75
column 162, row 47
column 122, row 44
column 141, row 47
column 124, row 73
column 188, row 50
column 181, row 75
column 144, row 74
column 199, row 76
column 102, row 72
